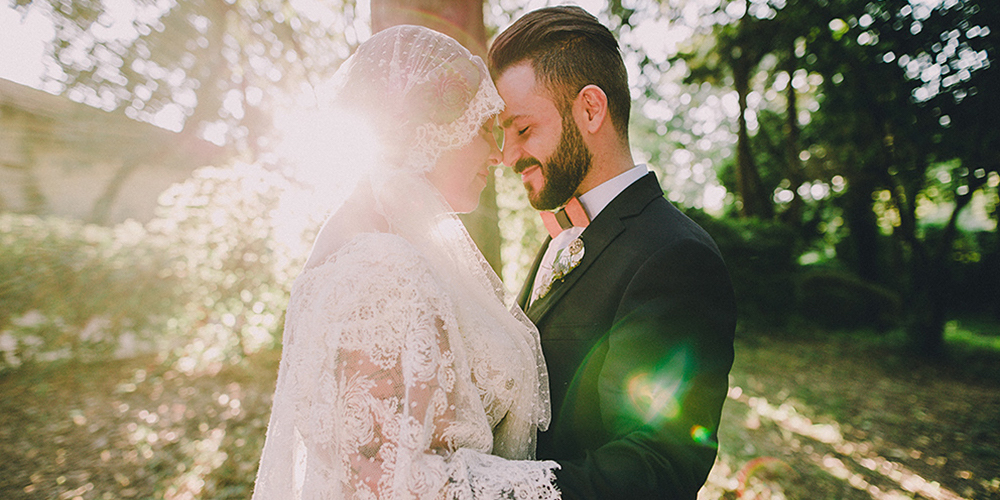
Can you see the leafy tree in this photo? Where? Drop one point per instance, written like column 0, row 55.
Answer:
column 219, row 69
column 214, row 69
column 896, row 90
column 888, row 100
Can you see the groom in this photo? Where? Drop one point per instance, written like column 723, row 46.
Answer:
column 635, row 307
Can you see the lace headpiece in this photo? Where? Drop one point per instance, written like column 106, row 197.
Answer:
column 423, row 94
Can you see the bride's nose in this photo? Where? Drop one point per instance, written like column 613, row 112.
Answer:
column 495, row 157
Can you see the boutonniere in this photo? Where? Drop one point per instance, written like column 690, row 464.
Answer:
column 566, row 260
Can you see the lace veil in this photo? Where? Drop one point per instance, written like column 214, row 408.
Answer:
column 423, row 94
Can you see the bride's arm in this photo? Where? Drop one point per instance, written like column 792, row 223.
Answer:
column 398, row 399
column 428, row 434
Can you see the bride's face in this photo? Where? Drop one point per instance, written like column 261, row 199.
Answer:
column 461, row 174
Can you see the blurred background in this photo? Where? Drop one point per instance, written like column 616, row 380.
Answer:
column 163, row 171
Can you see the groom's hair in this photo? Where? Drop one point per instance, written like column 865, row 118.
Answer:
column 568, row 49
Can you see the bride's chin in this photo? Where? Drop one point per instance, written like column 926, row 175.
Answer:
column 467, row 205
column 467, row 208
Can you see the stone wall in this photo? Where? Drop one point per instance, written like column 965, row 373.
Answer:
column 64, row 158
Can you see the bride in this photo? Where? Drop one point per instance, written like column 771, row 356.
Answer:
column 403, row 375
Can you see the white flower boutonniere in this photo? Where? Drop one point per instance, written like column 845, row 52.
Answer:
column 566, row 260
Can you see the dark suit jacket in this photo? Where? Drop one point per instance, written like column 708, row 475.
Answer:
column 638, row 340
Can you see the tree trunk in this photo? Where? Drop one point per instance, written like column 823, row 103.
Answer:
column 100, row 212
column 459, row 19
column 755, row 202
column 794, row 213
column 928, row 337
column 463, row 21
column 863, row 238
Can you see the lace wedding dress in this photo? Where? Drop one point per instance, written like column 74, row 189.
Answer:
column 403, row 375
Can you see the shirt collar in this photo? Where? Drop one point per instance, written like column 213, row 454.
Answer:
column 596, row 199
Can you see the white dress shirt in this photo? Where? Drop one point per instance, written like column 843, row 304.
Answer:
column 593, row 202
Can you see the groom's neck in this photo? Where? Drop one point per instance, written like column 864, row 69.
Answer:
column 604, row 166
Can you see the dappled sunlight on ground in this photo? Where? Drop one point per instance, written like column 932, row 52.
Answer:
column 778, row 446
column 135, row 429
column 839, row 459
column 804, row 420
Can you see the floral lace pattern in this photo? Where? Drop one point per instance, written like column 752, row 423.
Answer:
column 382, row 395
column 422, row 92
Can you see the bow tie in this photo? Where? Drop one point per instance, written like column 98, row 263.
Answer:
column 571, row 215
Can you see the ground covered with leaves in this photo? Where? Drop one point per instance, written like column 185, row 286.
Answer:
column 814, row 417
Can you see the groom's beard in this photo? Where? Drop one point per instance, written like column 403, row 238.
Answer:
column 563, row 171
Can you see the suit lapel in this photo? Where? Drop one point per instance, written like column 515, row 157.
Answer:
column 595, row 238
column 601, row 232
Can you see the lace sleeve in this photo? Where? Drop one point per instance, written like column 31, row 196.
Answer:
column 375, row 398
column 439, row 449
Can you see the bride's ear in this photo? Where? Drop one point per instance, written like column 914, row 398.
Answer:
column 590, row 108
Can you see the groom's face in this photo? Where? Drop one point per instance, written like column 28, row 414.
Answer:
column 541, row 145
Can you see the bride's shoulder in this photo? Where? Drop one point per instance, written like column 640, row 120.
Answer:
column 371, row 267
column 378, row 247
column 373, row 254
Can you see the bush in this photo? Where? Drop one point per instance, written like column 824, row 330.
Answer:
column 74, row 289
column 974, row 266
column 838, row 299
column 235, row 275
column 761, row 257
column 204, row 276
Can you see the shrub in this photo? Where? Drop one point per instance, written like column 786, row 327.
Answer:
column 236, row 276
column 206, row 276
column 838, row 299
column 761, row 257
column 74, row 289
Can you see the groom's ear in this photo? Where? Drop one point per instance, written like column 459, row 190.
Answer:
column 591, row 108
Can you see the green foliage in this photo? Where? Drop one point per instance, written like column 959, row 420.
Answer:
column 974, row 270
column 839, row 299
column 520, row 227
column 761, row 257
column 224, row 253
column 218, row 68
column 204, row 276
column 68, row 288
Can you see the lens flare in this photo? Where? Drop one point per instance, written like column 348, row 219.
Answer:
column 656, row 396
column 325, row 153
column 702, row 435
column 762, row 477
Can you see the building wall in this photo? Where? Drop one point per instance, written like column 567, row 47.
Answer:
column 64, row 158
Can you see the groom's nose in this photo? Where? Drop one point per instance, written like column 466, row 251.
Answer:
column 510, row 155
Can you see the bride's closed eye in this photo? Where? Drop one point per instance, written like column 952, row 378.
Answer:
column 491, row 130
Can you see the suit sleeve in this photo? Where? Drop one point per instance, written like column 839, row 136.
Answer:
column 663, row 382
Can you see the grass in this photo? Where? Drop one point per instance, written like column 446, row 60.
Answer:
column 811, row 415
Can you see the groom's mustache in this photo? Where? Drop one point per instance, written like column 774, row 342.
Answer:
column 524, row 163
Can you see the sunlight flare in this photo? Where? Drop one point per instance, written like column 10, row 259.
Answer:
column 326, row 152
